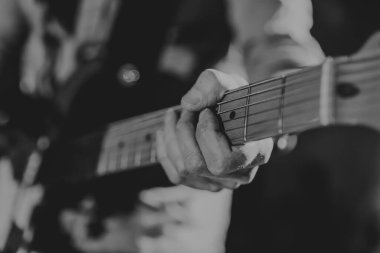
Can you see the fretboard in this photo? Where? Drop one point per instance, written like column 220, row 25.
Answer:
column 281, row 105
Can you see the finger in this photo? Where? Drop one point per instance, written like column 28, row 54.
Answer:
column 168, row 167
column 193, row 160
column 171, row 144
column 215, row 147
column 208, row 89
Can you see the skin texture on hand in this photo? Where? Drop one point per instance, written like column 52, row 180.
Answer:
column 195, row 152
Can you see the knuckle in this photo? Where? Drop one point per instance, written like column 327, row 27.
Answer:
column 182, row 125
column 219, row 166
column 201, row 130
column 207, row 76
column 194, row 162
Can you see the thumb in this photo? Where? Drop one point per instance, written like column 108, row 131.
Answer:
column 209, row 89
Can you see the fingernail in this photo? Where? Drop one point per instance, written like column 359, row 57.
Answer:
column 192, row 99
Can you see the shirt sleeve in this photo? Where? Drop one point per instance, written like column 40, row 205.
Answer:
column 273, row 35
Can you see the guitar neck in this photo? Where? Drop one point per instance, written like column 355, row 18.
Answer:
column 277, row 106
column 332, row 93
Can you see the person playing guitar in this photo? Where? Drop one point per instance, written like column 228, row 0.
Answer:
column 58, row 57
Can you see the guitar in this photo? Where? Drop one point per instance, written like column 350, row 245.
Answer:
column 341, row 91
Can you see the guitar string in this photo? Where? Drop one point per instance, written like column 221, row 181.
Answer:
column 275, row 88
column 346, row 62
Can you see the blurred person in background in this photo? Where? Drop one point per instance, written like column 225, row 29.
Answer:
column 74, row 54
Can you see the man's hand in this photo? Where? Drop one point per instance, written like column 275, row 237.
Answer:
column 195, row 152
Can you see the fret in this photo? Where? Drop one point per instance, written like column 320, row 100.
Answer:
column 233, row 119
column 153, row 158
column 120, row 150
column 281, row 118
column 137, row 157
column 152, row 153
column 327, row 93
column 264, row 109
column 248, row 99
column 112, row 157
column 124, row 157
column 102, row 165
column 302, row 101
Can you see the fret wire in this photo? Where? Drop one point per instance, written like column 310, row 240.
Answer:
column 280, row 121
column 246, row 116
